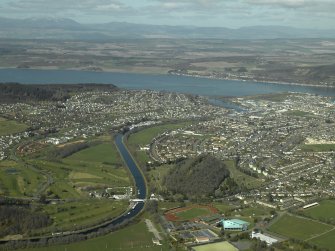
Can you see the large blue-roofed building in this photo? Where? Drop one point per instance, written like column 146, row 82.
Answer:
column 235, row 225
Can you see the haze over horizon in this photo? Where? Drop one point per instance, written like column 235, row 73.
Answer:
column 315, row 14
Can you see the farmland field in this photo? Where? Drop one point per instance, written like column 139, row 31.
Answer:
column 133, row 238
column 298, row 227
column 8, row 127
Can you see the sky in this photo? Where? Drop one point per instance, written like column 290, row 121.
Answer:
column 319, row 14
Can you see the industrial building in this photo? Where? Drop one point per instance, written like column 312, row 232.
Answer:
column 263, row 237
column 235, row 225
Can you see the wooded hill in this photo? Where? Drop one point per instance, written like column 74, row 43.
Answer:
column 15, row 92
column 198, row 177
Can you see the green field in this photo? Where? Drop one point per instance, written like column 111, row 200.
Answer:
column 223, row 207
column 220, row 246
column 298, row 227
column 193, row 213
column 318, row 148
column 73, row 178
column 242, row 178
column 145, row 136
column 324, row 212
column 84, row 213
column 133, row 238
column 103, row 153
column 8, row 127
column 326, row 241
column 255, row 211
column 299, row 113
column 18, row 181
column 93, row 168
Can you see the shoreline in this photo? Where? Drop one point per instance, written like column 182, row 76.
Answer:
column 174, row 74
column 252, row 80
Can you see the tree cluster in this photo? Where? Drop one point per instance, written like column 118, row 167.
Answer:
column 17, row 220
column 15, row 92
column 198, row 177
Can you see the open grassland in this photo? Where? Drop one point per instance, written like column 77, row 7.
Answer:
column 103, row 153
column 8, row 127
column 326, row 241
column 242, row 178
column 318, row 148
column 87, row 212
column 298, row 227
column 324, row 212
column 18, row 181
column 133, row 238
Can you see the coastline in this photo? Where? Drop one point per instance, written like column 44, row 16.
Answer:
column 252, row 80
column 173, row 74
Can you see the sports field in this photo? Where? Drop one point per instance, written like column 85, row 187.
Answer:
column 220, row 246
column 298, row 227
column 8, row 127
column 325, row 211
column 133, row 238
column 326, row 241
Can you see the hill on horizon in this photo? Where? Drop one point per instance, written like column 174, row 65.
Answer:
column 63, row 28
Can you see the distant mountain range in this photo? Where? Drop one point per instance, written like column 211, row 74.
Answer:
column 51, row 28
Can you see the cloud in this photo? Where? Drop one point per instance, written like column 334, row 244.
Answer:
column 232, row 13
column 312, row 5
column 63, row 6
column 280, row 3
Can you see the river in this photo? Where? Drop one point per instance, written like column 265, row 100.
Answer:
column 181, row 84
